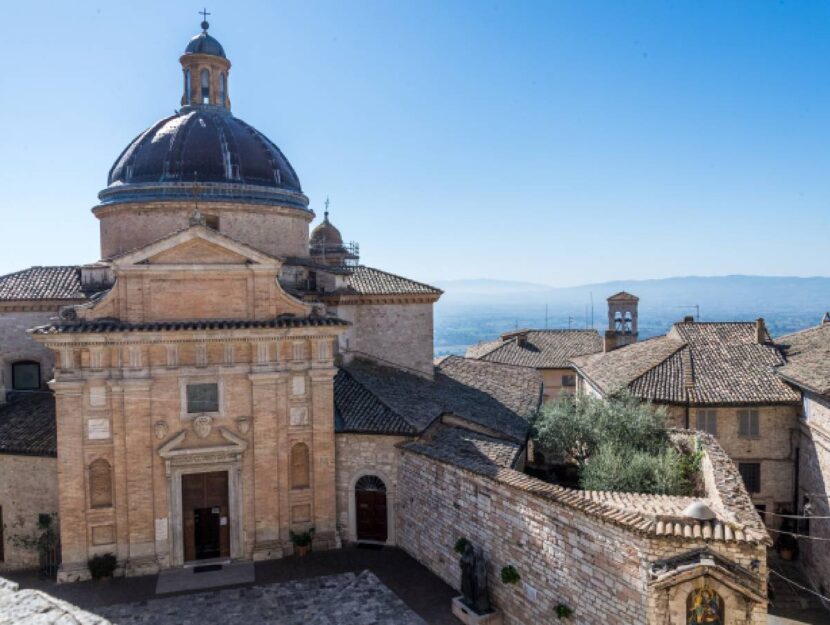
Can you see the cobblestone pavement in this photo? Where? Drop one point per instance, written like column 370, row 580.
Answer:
column 344, row 599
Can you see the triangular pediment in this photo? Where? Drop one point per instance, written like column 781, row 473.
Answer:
column 197, row 245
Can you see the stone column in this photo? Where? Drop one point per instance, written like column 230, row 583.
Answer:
column 71, row 483
column 139, row 466
column 325, row 507
column 265, row 390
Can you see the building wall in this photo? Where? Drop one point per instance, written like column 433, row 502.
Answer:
column 16, row 345
column 279, row 231
column 401, row 334
column 814, row 482
column 365, row 454
column 28, row 488
column 552, row 379
column 562, row 555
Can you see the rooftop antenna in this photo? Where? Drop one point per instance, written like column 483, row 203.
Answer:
column 570, row 320
column 546, row 316
column 696, row 307
column 591, row 293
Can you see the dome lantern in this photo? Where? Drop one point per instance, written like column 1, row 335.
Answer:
column 205, row 69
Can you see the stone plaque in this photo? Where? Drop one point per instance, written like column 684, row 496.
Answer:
column 298, row 415
column 98, row 429
column 298, row 385
column 97, row 396
column 103, row 534
column 161, row 528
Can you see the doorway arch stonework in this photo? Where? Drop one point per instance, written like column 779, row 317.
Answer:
column 391, row 503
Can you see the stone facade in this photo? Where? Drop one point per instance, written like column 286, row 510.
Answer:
column 17, row 345
column 554, row 381
column 395, row 331
column 359, row 455
column 28, row 488
column 814, row 479
column 595, row 567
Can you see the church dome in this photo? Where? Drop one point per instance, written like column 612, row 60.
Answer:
column 204, row 44
column 326, row 235
column 205, row 146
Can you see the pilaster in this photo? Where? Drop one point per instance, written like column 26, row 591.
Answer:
column 323, row 478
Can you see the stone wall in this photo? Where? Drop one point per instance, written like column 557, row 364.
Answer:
column 28, row 488
column 563, row 555
column 552, row 379
column 365, row 454
column 399, row 333
column 814, row 475
column 16, row 345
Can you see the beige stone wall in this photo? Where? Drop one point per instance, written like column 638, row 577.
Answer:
column 16, row 345
column 365, row 454
column 279, row 231
column 814, row 477
column 28, row 488
column 400, row 333
column 552, row 379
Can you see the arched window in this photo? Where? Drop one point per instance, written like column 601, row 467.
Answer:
column 370, row 483
column 25, row 375
column 704, row 606
column 187, row 86
column 300, row 469
column 100, row 484
column 222, row 89
column 205, row 81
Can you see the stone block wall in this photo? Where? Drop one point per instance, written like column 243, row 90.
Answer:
column 563, row 555
column 365, row 454
column 814, row 473
column 16, row 345
column 28, row 488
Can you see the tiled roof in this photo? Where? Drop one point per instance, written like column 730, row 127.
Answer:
column 699, row 363
column 459, row 445
column 808, row 358
column 27, row 425
column 623, row 296
column 650, row 515
column 540, row 349
column 114, row 325
column 36, row 283
column 370, row 281
column 497, row 397
column 357, row 410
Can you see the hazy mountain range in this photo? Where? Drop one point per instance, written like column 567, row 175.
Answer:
column 474, row 310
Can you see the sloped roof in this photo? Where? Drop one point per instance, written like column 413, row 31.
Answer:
column 623, row 296
column 42, row 283
column 371, row 281
column 697, row 363
column 498, row 397
column 540, row 349
column 461, row 446
column 115, row 325
column 808, row 358
column 27, row 424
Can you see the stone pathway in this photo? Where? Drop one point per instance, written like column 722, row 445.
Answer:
column 344, row 599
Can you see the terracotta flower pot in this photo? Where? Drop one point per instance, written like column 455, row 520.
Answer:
column 301, row 550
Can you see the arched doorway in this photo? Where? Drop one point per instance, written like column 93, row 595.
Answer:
column 370, row 505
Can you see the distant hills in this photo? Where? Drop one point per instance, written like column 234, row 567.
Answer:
column 475, row 310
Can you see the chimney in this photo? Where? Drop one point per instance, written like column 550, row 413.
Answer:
column 825, row 318
column 689, row 319
column 760, row 331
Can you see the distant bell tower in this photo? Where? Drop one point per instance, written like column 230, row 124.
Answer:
column 622, row 321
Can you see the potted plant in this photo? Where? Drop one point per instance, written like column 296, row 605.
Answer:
column 102, row 566
column 461, row 545
column 509, row 575
column 302, row 541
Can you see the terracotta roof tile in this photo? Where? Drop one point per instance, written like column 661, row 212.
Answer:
column 115, row 325
column 371, row 281
column 808, row 358
column 540, row 349
column 27, row 424
column 38, row 283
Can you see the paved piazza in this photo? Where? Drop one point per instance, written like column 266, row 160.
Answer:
column 343, row 599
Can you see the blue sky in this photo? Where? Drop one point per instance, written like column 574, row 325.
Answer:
column 551, row 142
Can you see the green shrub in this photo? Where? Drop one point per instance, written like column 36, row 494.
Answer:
column 623, row 469
column 562, row 611
column 509, row 574
column 461, row 545
column 102, row 565
column 301, row 539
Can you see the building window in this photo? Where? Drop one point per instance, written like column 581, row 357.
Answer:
column 100, row 484
column 212, row 222
column 222, row 89
column 751, row 474
column 25, row 375
column 300, row 469
column 205, row 81
column 187, row 86
column 568, row 380
column 202, row 398
column 748, row 423
column 707, row 421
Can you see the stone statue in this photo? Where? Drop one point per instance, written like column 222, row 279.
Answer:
column 474, row 579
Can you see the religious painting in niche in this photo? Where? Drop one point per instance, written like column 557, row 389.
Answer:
column 704, row 607
column 100, row 484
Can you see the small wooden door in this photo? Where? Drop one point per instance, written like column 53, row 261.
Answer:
column 205, row 519
column 370, row 503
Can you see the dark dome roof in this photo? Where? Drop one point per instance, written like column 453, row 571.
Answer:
column 206, row 145
column 204, row 44
column 325, row 234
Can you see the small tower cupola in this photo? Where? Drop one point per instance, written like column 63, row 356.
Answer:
column 622, row 320
column 205, row 68
column 326, row 244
